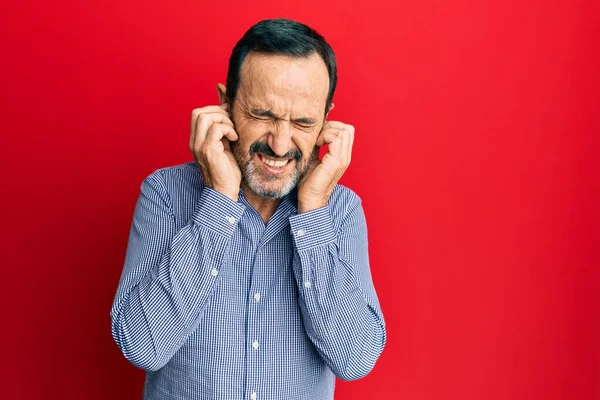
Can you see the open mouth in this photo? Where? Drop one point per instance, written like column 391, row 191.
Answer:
column 273, row 165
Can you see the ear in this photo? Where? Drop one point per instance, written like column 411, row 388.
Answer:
column 328, row 111
column 222, row 93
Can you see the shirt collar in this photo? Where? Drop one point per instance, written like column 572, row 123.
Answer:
column 287, row 205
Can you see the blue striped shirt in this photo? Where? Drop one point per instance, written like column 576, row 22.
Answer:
column 213, row 304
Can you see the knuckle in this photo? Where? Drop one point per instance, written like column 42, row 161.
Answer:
column 204, row 122
column 213, row 129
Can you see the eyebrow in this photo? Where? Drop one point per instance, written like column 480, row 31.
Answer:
column 269, row 113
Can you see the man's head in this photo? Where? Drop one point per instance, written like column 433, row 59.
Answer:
column 280, row 85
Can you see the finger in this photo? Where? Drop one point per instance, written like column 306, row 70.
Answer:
column 216, row 117
column 340, row 129
column 335, row 125
column 211, row 109
column 216, row 133
column 204, row 123
column 226, row 144
column 327, row 136
column 346, row 137
column 204, row 110
column 219, row 131
column 349, row 142
column 339, row 145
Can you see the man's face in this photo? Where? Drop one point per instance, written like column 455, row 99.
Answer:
column 278, row 113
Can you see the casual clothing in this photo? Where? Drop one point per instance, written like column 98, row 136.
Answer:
column 213, row 304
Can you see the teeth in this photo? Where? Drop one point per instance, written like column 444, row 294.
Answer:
column 273, row 163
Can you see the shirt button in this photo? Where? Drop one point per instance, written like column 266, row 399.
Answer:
column 307, row 284
column 257, row 296
column 214, row 272
column 255, row 345
column 300, row 232
column 231, row 220
column 253, row 395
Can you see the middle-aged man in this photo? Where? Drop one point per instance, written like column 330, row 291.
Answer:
column 247, row 271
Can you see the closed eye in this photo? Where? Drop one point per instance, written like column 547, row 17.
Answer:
column 260, row 118
column 305, row 123
column 262, row 114
column 267, row 115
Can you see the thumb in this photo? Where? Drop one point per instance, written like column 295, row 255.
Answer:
column 315, row 160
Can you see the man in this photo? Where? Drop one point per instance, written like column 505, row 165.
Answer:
column 247, row 271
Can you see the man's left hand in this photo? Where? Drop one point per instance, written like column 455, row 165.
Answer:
column 322, row 176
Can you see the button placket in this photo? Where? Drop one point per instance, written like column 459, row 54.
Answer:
column 253, row 334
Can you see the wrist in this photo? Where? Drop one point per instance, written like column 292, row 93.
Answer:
column 232, row 193
column 306, row 206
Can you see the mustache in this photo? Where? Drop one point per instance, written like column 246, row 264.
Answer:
column 261, row 147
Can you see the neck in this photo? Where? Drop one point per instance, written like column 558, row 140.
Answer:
column 265, row 207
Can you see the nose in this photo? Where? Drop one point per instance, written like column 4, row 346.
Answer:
column 280, row 138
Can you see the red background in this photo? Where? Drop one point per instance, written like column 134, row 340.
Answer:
column 475, row 154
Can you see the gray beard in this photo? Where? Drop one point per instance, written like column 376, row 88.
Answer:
column 254, row 180
column 255, row 183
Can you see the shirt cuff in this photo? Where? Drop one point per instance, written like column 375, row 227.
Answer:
column 217, row 212
column 312, row 229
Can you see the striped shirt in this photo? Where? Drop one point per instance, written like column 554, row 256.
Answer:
column 214, row 304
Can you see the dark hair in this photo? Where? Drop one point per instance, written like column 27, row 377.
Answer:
column 281, row 36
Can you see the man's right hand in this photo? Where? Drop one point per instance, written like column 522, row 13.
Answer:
column 210, row 136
